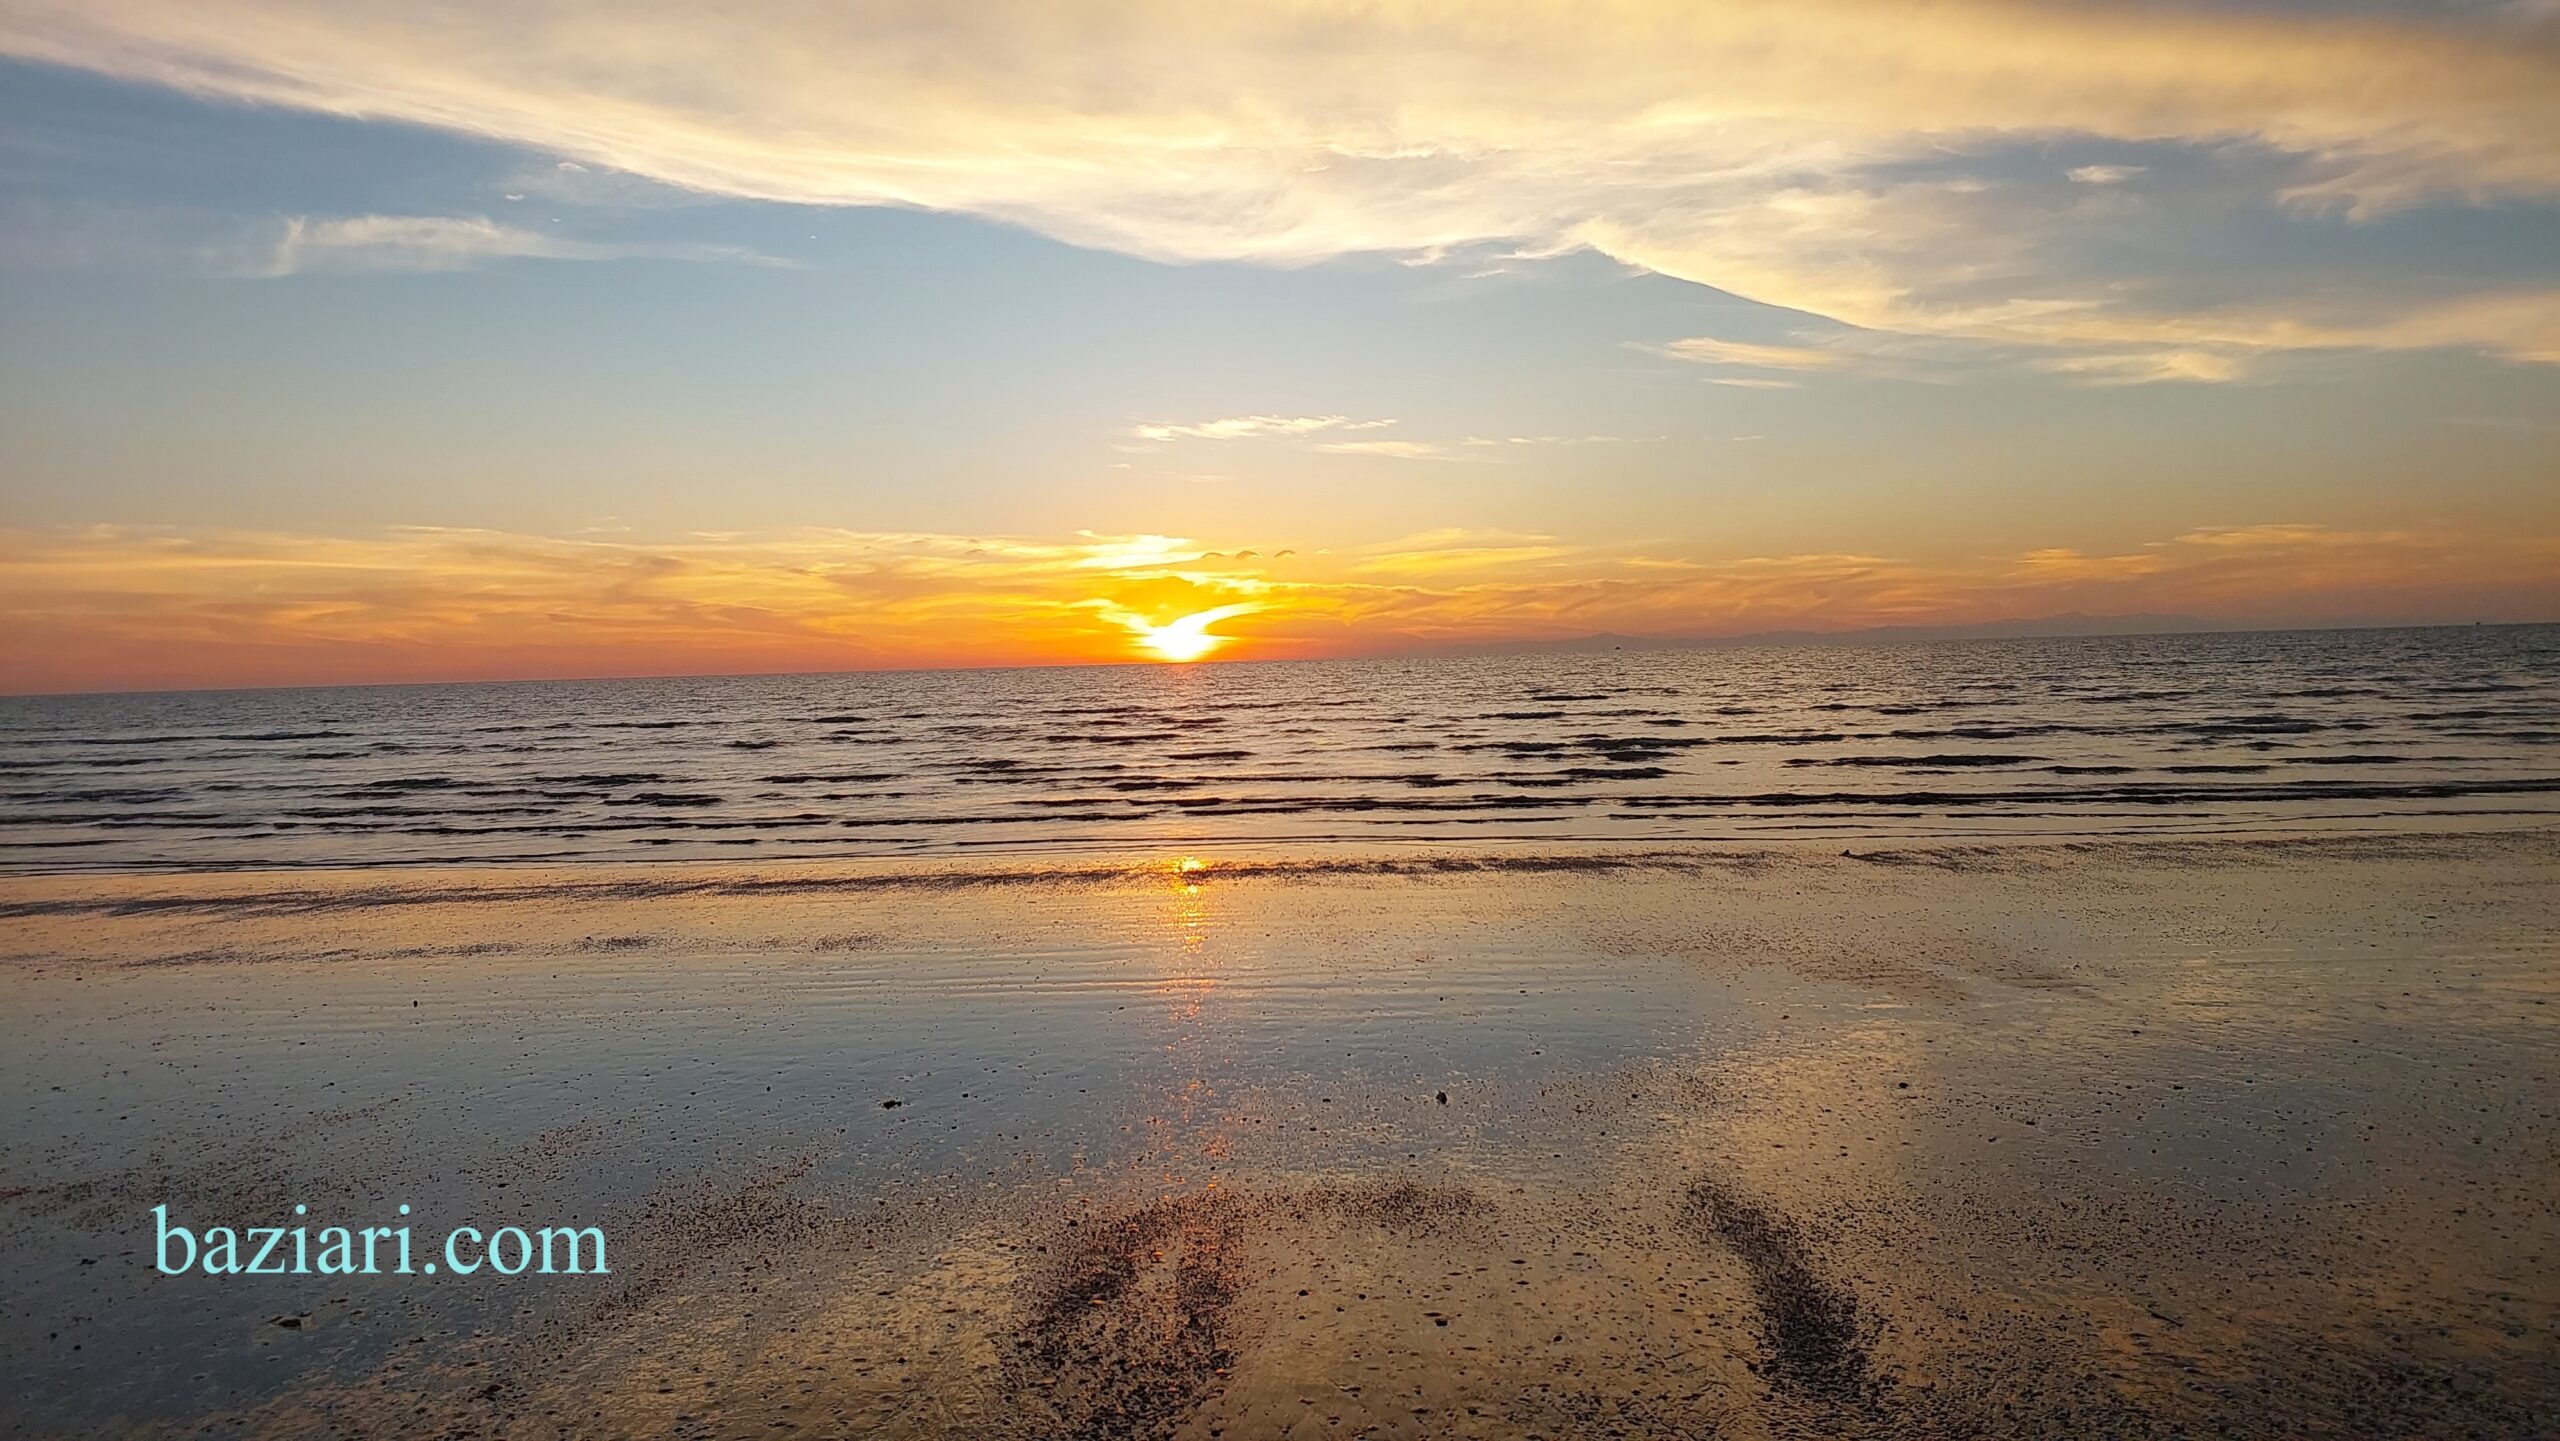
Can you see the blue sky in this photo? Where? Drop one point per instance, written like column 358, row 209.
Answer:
column 572, row 277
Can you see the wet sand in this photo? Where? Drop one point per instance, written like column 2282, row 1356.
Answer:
column 2249, row 1138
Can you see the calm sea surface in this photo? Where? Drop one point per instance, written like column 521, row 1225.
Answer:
column 2209, row 733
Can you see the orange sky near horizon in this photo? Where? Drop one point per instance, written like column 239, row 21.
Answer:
column 124, row 609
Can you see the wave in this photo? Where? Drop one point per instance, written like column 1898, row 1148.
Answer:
column 2349, row 729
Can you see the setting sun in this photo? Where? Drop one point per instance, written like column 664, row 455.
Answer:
column 1188, row 637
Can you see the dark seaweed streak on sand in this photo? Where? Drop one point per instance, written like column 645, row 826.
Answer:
column 1810, row 1326
column 1126, row 1327
column 1128, row 1324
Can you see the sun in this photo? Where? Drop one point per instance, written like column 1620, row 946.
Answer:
column 1186, row 638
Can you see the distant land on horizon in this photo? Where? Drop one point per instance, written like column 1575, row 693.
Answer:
column 2068, row 625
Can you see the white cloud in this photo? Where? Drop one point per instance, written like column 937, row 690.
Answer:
column 2144, row 367
column 1392, row 449
column 2118, row 347
column 437, row 242
column 131, row 238
column 1778, row 150
column 1708, row 350
column 1492, row 440
column 409, row 242
column 1252, row 427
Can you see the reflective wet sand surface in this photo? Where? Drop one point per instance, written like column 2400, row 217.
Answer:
column 2233, row 1137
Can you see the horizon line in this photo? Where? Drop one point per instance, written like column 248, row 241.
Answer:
column 1875, row 635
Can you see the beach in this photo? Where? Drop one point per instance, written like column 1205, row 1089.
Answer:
column 2248, row 1135
column 1139, row 721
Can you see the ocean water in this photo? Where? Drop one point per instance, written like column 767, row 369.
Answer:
column 2186, row 734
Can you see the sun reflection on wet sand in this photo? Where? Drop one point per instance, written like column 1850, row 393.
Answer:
column 1194, row 1136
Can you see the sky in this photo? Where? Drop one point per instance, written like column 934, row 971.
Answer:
column 353, row 340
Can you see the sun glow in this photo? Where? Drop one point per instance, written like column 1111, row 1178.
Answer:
column 1186, row 638
column 130, row 608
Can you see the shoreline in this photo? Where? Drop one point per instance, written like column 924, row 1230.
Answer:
column 1949, row 832
column 22, row 893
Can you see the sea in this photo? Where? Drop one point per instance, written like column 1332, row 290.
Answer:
column 2212, row 734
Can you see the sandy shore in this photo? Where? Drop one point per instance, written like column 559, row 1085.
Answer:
column 2251, row 1138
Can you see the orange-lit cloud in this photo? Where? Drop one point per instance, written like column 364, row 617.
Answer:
column 111, row 608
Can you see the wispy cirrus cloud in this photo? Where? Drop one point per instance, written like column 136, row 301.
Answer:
column 1303, row 429
column 2144, row 367
column 2099, row 352
column 1708, row 350
column 1392, row 449
column 1836, row 351
column 1320, row 433
column 1560, row 440
column 442, row 242
column 1902, row 170
column 1251, row 427
column 92, row 236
